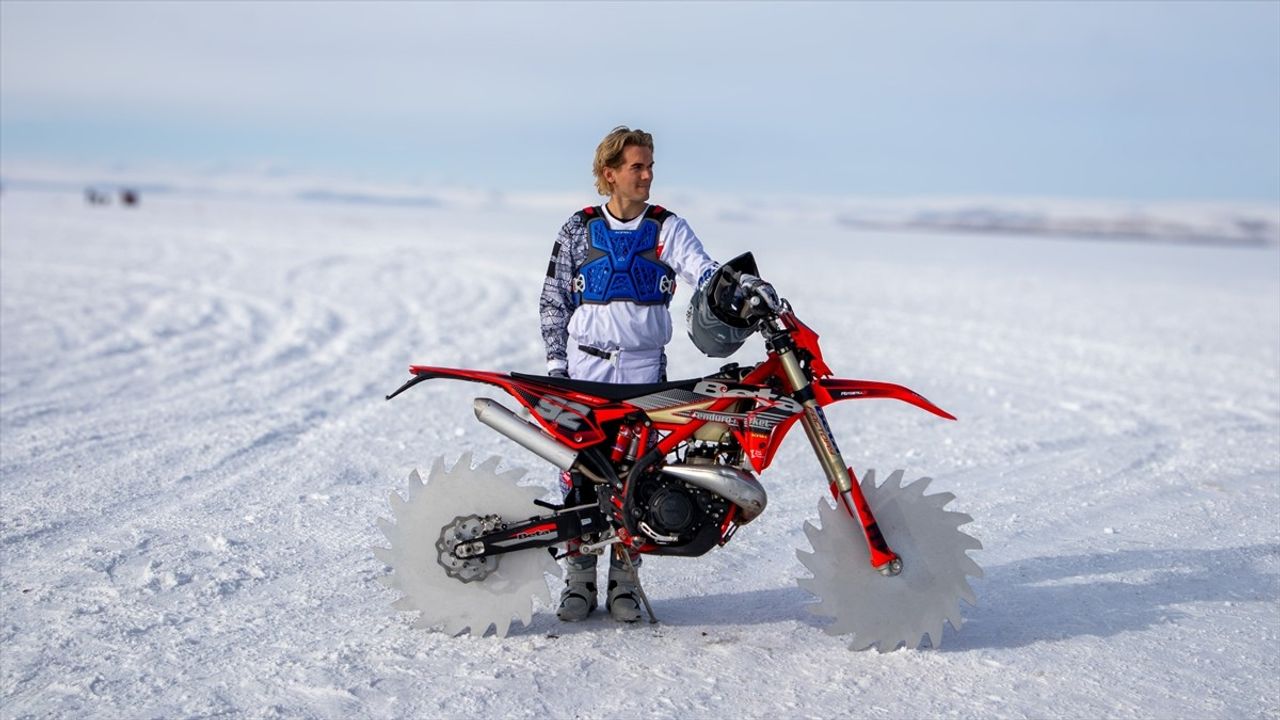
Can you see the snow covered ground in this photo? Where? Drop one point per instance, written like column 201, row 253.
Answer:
column 195, row 449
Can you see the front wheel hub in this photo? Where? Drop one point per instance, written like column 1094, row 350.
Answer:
column 891, row 568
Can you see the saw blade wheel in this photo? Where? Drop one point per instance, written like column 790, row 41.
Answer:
column 886, row 612
column 454, row 505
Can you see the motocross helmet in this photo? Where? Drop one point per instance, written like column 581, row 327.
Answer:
column 717, row 325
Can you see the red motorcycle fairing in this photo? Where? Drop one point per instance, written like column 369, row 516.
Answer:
column 757, row 415
column 572, row 417
column 760, row 428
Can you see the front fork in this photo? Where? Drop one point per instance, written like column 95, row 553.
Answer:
column 844, row 485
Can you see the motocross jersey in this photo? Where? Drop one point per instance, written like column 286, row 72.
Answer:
column 634, row 320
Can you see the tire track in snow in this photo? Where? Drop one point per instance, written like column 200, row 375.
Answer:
column 270, row 360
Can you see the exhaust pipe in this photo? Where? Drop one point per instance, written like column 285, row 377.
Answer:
column 737, row 486
column 497, row 416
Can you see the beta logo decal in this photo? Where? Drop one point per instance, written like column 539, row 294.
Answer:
column 711, row 388
column 533, row 533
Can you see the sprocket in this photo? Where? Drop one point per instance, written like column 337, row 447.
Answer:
column 503, row 590
column 881, row 611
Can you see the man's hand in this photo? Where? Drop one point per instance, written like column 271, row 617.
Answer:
column 758, row 291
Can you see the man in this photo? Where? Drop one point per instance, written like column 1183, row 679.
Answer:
column 605, row 317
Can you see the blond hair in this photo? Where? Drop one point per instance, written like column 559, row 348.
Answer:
column 609, row 153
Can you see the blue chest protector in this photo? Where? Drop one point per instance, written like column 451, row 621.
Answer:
column 624, row 264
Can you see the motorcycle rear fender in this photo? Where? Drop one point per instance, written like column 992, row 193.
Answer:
column 571, row 417
column 829, row 390
column 428, row 372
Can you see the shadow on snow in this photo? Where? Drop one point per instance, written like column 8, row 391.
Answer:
column 1045, row 599
column 1041, row 599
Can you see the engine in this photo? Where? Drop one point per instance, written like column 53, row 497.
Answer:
column 693, row 504
column 688, row 508
column 673, row 512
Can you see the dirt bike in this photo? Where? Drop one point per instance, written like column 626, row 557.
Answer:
column 674, row 468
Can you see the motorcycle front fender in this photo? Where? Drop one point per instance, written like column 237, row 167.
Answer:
column 829, row 390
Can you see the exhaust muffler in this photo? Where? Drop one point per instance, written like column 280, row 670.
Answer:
column 497, row 416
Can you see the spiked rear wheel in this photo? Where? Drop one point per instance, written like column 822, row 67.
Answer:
column 462, row 595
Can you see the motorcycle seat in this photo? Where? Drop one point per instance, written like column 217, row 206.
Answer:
column 617, row 392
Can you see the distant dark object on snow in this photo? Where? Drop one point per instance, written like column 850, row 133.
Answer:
column 129, row 197
column 94, row 196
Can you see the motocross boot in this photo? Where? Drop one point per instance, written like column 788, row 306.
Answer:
column 578, row 599
column 623, row 602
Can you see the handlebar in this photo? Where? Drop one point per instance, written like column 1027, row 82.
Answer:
column 743, row 294
column 760, row 292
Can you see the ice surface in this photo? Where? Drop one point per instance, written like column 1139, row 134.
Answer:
column 194, row 450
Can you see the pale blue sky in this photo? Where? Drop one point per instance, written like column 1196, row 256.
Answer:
column 1110, row 100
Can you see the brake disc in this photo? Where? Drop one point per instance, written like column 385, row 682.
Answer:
column 459, row 533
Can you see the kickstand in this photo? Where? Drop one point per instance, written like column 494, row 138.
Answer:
column 631, row 568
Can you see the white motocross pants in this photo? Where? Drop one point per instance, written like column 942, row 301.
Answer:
column 622, row 366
